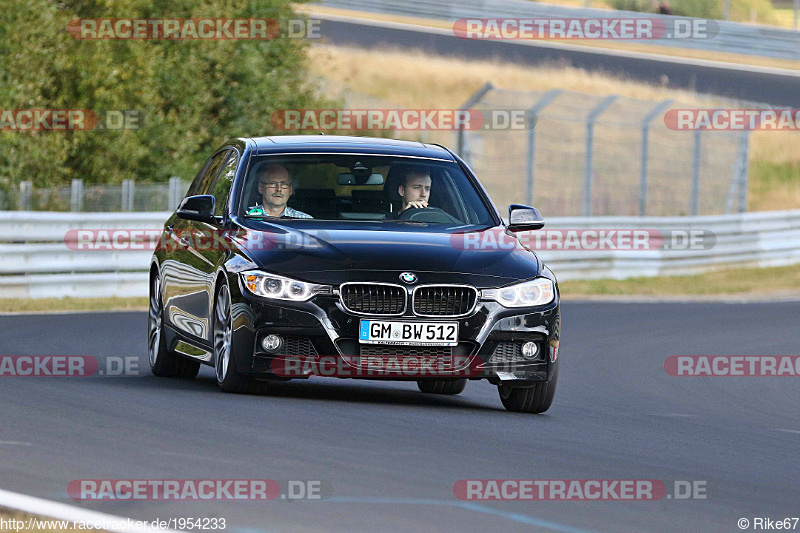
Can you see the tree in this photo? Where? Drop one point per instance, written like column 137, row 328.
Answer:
column 193, row 94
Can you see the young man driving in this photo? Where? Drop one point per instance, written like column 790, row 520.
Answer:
column 415, row 189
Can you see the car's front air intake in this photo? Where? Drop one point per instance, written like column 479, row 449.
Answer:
column 373, row 298
column 444, row 300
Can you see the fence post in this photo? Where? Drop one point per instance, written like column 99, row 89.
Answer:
column 76, row 196
column 739, row 178
column 796, row 11
column 735, row 182
column 174, row 193
column 25, row 193
column 533, row 113
column 127, row 195
column 587, row 177
column 744, row 169
column 461, row 141
column 648, row 118
column 695, row 173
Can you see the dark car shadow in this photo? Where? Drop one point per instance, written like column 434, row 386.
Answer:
column 331, row 389
column 364, row 392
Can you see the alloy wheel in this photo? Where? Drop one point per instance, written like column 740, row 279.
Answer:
column 222, row 333
column 154, row 321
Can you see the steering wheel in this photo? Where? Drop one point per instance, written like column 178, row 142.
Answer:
column 427, row 214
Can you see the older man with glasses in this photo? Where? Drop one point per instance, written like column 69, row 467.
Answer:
column 275, row 188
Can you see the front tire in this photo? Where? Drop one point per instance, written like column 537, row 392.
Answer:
column 164, row 363
column 442, row 386
column 536, row 399
column 228, row 378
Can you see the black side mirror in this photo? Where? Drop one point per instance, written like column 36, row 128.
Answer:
column 524, row 218
column 200, row 208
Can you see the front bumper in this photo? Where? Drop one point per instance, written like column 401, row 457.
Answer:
column 325, row 337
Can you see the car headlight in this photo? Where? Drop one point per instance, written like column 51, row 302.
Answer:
column 281, row 288
column 539, row 291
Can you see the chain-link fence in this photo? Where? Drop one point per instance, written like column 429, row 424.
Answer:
column 128, row 196
column 574, row 154
column 580, row 154
column 353, row 99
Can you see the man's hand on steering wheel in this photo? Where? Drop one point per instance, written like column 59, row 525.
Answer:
column 417, row 204
column 433, row 215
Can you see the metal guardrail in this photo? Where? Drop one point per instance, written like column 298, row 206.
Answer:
column 743, row 240
column 735, row 37
column 35, row 262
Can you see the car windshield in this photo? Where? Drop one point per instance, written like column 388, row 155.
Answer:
column 357, row 187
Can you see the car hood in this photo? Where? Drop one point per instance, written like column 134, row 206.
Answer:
column 330, row 254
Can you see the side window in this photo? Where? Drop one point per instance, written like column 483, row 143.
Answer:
column 198, row 178
column 210, row 172
column 222, row 187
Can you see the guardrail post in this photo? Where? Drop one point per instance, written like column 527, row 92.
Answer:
column 461, row 141
column 734, row 185
column 76, row 196
column 175, row 193
column 695, row 173
column 648, row 118
column 127, row 195
column 25, row 193
column 532, row 117
column 587, row 170
column 744, row 169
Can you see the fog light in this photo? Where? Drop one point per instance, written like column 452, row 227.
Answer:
column 530, row 350
column 272, row 343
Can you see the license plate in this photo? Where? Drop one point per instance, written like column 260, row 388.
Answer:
column 408, row 333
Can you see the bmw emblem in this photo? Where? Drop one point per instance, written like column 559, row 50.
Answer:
column 408, row 277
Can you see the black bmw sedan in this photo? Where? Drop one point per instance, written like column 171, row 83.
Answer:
column 352, row 257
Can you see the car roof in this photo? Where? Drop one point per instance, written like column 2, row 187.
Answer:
column 346, row 144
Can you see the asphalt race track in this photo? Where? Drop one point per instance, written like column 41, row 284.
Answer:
column 767, row 87
column 392, row 454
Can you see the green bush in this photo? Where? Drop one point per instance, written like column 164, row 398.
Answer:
column 6, row 199
column 193, row 94
column 631, row 5
column 707, row 9
column 741, row 10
